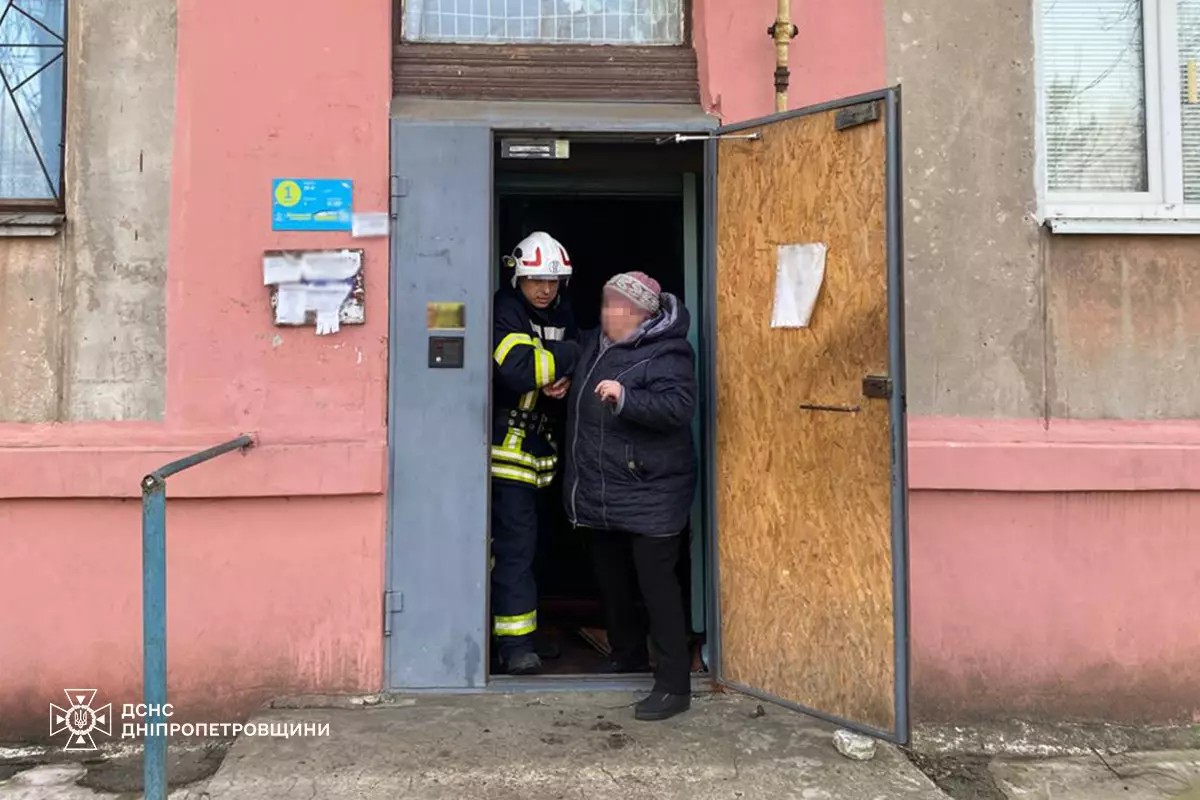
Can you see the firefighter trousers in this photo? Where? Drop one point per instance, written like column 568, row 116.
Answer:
column 517, row 520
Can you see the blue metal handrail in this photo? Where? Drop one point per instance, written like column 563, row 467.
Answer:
column 154, row 609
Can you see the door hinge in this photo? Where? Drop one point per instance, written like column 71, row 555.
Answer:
column 857, row 115
column 398, row 187
column 877, row 386
column 393, row 603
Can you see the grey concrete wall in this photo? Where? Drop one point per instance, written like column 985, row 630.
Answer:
column 1004, row 318
column 974, row 312
column 83, row 313
column 1124, row 325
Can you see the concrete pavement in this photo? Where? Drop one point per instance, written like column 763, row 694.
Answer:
column 1171, row 775
column 562, row 746
column 574, row 746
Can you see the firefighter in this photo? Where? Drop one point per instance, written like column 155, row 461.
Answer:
column 534, row 336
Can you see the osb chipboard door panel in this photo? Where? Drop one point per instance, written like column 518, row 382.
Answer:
column 804, row 530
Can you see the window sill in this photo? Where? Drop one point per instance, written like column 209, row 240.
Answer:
column 1162, row 227
column 30, row 223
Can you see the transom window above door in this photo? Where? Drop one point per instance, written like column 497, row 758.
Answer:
column 616, row 22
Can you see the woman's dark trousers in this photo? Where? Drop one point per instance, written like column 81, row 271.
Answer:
column 632, row 567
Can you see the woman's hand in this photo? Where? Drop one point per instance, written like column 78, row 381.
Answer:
column 610, row 392
column 558, row 390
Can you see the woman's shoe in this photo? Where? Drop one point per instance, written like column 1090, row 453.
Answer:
column 661, row 705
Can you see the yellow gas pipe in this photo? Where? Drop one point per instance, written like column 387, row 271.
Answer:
column 783, row 31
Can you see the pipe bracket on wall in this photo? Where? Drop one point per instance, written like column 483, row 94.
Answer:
column 782, row 31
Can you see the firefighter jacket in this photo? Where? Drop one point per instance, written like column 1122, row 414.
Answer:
column 532, row 348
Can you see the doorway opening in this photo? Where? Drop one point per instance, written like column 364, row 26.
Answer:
column 816, row 572
column 617, row 204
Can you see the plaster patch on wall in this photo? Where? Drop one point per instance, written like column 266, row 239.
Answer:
column 29, row 328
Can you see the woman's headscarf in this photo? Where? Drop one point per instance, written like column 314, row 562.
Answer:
column 638, row 288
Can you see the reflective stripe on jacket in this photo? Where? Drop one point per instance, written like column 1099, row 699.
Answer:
column 532, row 348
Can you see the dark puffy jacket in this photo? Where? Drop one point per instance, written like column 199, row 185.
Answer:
column 633, row 468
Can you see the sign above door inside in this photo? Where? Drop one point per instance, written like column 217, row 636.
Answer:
column 535, row 148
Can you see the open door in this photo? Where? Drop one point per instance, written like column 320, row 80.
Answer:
column 809, row 476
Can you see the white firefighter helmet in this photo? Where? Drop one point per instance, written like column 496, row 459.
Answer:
column 539, row 255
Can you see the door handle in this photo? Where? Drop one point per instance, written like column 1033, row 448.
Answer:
column 823, row 407
column 873, row 386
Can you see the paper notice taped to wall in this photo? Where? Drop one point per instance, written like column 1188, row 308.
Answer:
column 326, row 300
column 799, row 273
column 369, row 223
column 294, row 266
column 290, row 303
column 280, row 268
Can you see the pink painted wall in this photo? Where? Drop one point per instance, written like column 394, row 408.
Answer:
column 290, row 90
column 1055, row 570
column 838, row 52
column 265, row 597
column 277, row 592
column 1056, row 605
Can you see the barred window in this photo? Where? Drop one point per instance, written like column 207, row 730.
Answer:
column 32, row 90
column 619, row 22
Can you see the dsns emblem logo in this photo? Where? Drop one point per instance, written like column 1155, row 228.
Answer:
column 79, row 720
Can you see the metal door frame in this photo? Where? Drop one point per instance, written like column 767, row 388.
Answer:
column 890, row 97
column 567, row 119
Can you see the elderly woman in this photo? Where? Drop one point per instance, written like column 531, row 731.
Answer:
column 631, row 475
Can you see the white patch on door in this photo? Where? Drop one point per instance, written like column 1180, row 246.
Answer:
column 799, row 273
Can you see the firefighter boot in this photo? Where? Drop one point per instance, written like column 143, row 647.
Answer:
column 523, row 662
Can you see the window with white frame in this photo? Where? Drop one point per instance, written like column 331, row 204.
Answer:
column 32, row 84
column 1120, row 113
column 619, row 22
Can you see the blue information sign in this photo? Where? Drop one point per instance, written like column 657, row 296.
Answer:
column 299, row 204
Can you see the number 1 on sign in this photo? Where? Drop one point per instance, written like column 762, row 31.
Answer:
column 287, row 193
